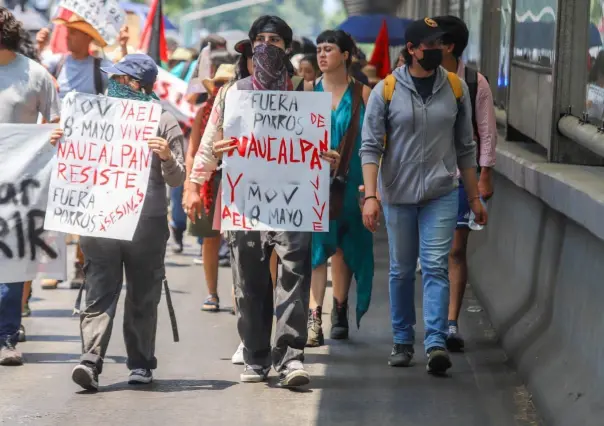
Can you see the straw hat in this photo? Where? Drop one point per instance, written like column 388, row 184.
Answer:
column 224, row 73
column 78, row 23
column 181, row 54
column 371, row 72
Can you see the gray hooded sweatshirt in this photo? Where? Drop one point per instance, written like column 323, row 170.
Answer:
column 427, row 142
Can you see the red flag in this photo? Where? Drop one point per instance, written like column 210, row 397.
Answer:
column 58, row 39
column 153, row 36
column 381, row 54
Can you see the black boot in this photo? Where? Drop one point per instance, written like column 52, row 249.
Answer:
column 339, row 320
column 315, row 331
column 178, row 235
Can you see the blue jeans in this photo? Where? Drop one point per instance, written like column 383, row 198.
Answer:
column 10, row 311
column 179, row 217
column 425, row 229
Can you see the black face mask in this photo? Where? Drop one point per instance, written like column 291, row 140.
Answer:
column 431, row 60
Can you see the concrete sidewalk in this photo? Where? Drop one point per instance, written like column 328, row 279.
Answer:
column 197, row 385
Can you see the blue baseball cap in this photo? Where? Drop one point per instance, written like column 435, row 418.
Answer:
column 136, row 65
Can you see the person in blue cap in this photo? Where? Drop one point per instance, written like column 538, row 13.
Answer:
column 143, row 257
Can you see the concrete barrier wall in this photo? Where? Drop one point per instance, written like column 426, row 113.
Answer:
column 540, row 276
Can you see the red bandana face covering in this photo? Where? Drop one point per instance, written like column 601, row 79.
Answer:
column 270, row 71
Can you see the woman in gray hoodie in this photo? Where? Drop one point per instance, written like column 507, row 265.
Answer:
column 416, row 135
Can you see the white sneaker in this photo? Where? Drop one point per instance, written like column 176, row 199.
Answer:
column 237, row 358
column 418, row 268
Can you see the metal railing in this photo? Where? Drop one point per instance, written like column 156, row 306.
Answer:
column 585, row 134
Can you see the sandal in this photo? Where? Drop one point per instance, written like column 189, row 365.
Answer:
column 211, row 304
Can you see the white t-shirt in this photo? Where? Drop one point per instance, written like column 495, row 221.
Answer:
column 26, row 91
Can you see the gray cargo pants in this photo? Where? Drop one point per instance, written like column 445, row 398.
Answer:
column 251, row 253
column 105, row 261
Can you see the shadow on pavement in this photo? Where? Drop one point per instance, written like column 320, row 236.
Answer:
column 178, row 265
column 52, row 338
column 52, row 358
column 52, row 313
column 359, row 388
column 171, row 386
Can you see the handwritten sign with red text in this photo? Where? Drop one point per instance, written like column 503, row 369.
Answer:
column 276, row 179
column 101, row 170
column 173, row 90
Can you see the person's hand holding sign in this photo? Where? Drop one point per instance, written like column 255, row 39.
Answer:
column 223, row 147
column 333, row 157
column 55, row 136
column 160, row 147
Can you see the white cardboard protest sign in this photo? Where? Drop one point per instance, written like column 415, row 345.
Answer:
column 172, row 89
column 105, row 16
column 101, row 171
column 275, row 179
column 26, row 249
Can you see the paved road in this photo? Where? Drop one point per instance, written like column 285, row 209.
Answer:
column 197, row 385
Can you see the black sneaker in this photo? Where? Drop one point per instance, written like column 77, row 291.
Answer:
column 140, row 376
column 401, row 355
column 86, row 376
column 339, row 320
column 178, row 235
column 455, row 342
column 294, row 375
column 438, row 361
column 254, row 374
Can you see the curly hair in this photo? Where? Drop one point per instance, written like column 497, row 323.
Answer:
column 10, row 30
column 26, row 46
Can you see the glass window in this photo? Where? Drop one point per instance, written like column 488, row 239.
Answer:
column 595, row 63
column 472, row 14
column 503, row 75
column 454, row 8
column 535, row 31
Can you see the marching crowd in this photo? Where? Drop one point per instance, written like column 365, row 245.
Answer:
column 416, row 148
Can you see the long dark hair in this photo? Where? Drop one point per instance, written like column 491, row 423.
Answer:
column 241, row 70
column 26, row 47
column 341, row 39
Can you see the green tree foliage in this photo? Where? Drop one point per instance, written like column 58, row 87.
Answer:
column 596, row 12
column 333, row 20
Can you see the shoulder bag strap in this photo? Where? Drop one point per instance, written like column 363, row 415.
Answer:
column 98, row 78
column 348, row 141
column 471, row 77
column 59, row 66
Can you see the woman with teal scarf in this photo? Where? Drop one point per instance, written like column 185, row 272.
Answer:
column 348, row 243
column 142, row 258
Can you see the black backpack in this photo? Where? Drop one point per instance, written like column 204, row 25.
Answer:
column 98, row 79
column 471, row 79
